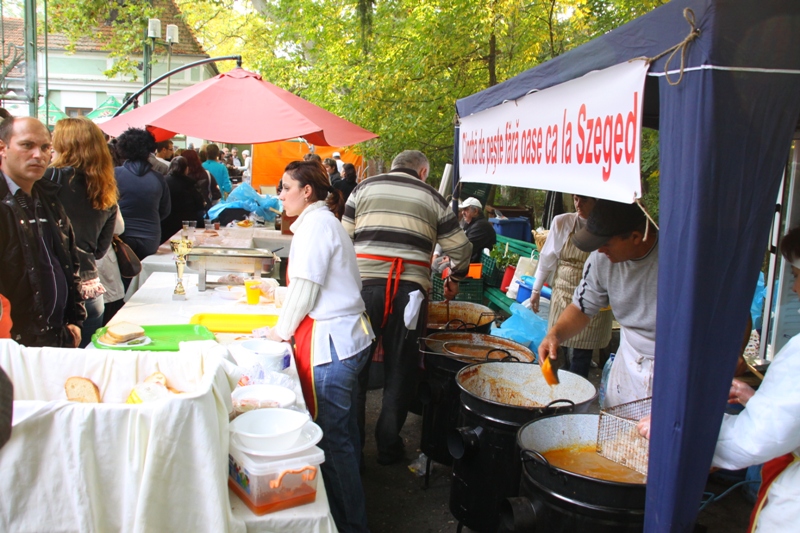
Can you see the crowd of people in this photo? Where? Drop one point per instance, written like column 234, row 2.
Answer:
column 68, row 195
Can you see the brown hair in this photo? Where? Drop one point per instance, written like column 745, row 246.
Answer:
column 312, row 173
column 80, row 144
column 790, row 245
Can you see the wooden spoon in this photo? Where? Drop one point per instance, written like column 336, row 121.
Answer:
column 550, row 375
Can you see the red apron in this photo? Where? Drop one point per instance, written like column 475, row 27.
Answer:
column 5, row 318
column 394, row 273
column 304, row 361
column 769, row 472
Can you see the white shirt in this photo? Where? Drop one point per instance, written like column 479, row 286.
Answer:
column 323, row 253
column 560, row 229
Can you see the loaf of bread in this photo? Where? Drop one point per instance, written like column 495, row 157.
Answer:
column 82, row 390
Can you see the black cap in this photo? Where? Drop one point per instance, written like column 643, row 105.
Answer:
column 607, row 219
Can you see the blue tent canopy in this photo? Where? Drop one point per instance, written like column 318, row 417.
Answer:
column 725, row 134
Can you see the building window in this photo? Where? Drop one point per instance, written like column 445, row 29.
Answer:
column 75, row 112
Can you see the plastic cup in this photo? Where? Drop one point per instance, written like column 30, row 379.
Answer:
column 189, row 227
column 252, row 288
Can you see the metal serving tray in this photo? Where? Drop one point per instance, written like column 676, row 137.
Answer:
column 253, row 261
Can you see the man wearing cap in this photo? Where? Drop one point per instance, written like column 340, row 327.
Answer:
column 339, row 163
column 480, row 231
column 622, row 271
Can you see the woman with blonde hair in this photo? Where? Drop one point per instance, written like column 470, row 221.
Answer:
column 84, row 169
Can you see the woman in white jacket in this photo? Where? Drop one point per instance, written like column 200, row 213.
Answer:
column 325, row 315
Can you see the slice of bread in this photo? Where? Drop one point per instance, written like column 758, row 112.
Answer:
column 82, row 390
column 123, row 332
column 157, row 377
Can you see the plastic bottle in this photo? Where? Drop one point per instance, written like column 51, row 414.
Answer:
column 604, row 379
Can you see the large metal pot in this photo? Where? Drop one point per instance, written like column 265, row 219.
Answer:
column 445, row 354
column 496, row 399
column 517, row 392
column 556, row 500
column 461, row 316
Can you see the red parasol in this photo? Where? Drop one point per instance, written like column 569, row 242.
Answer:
column 239, row 107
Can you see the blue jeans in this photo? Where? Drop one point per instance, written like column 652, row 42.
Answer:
column 94, row 319
column 336, row 386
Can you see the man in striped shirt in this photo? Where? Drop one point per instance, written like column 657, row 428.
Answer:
column 395, row 221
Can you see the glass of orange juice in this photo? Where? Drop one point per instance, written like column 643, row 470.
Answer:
column 252, row 289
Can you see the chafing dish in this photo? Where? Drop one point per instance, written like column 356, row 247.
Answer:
column 255, row 261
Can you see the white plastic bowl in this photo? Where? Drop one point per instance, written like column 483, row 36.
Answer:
column 269, row 429
column 230, row 292
column 251, row 397
column 273, row 355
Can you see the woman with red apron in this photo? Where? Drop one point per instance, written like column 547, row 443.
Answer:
column 324, row 314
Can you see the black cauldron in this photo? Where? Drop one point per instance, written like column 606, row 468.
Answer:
column 553, row 500
column 497, row 398
column 444, row 355
column 459, row 316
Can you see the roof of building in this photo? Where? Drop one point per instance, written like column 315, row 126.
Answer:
column 169, row 14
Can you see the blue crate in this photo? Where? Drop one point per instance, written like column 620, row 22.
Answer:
column 514, row 227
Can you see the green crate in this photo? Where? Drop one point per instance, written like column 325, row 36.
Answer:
column 469, row 290
column 492, row 276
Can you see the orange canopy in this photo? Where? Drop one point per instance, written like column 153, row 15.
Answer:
column 269, row 159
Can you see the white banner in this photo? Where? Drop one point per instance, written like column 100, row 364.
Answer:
column 581, row 136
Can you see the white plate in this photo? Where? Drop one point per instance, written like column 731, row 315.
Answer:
column 309, row 437
column 135, row 342
column 230, row 292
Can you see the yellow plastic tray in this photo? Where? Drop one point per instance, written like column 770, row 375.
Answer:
column 225, row 323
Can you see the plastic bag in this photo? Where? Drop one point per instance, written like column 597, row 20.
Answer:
column 757, row 306
column 604, row 379
column 524, row 327
column 245, row 197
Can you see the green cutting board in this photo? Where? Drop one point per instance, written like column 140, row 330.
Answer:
column 164, row 338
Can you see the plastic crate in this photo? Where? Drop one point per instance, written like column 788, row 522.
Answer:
column 492, row 276
column 469, row 290
column 516, row 228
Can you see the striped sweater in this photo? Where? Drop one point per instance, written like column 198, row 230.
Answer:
column 398, row 215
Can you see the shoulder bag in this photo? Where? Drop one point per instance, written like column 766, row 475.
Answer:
column 129, row 263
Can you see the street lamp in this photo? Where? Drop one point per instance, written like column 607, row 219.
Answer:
column 154, row 33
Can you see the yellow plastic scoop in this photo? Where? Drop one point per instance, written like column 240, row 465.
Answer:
column 550, row 375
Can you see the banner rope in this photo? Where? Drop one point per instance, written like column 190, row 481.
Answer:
column 649, row 218
column 694, row 32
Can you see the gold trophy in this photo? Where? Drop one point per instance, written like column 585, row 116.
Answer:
column 181, row 248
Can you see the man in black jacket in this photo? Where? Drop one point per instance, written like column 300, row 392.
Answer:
column 480, row 231
column 40, row 261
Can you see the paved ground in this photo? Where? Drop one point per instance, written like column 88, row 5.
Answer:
column 398, row 503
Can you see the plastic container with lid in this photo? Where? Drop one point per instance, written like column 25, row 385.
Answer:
column 269, row 484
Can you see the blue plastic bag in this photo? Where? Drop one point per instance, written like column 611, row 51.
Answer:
column 757, row 306
column 524, row 327
column 245, row 197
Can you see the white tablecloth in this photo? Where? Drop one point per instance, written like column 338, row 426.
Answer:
column 113, row 466
column 152, row 305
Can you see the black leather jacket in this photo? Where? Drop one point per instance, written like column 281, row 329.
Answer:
column 19, row 279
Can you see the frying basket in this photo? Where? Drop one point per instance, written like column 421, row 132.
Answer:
column 617, row 437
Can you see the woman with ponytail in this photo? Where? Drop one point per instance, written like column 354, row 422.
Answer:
column 325, row 315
